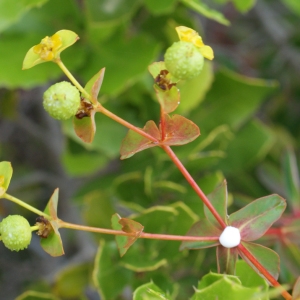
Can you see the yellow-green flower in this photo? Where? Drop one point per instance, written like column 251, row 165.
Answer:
column 187, row 34
column 48, row 47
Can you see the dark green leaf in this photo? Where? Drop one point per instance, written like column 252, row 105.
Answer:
column 291, row 180
column 257, row 217
column 218, row 198
column 268, row 258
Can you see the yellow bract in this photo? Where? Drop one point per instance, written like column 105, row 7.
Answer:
column 187, row 34
column 48, row 47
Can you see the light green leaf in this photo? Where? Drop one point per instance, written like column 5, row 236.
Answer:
column 243, row 5
column 149, row 291
column 201, row 8
column 6, row 172
column 33, row 295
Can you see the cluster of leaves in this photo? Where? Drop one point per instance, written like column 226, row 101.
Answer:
column 233, row 140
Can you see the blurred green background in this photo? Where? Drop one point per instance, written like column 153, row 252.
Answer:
column 246, row 103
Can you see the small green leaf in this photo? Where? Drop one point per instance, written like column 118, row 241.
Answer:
column 6, row 172
column 158, row 7
column 226, row 259
column 168, row 99
column 205, row 229
column 134, row 142
column 33, row 295
column 155, row 68
column 149, row 291
column 291, row 179
column 257, row 217
column 68, row 38
column 268, row 258
column 129, row 226
column 71, row 282
column 53, row 243
column 179, row 130
column 218, row 198
column 94, row 84
column 206, row 11
column 85, row 128
column 108, row 276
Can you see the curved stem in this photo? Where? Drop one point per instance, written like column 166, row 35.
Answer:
column 25, row 205
column 72, row 78
column 109, row 114
column 264, row 272
column 142, row 235
column 193, row 184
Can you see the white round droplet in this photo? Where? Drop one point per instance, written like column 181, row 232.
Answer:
column 230, row 237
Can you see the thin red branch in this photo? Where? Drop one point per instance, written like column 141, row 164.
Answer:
column 193, row 184
column 162, row 124
column 264, row 272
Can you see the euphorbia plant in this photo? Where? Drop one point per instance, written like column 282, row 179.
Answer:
column 232, row 235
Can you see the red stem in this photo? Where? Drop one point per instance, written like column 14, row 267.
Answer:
column 143, row 235
column 162, row 124
column 264, row 272
column 193, row 184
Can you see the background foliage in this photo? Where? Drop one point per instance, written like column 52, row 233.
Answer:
column 247, row 124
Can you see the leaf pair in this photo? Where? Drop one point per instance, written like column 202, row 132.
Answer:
column 252, row 221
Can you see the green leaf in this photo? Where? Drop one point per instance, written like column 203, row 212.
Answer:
column 250, row 278
column 53, row 243
column 202, row 228
column 158, row 7
column 71, row 282
column 201, row 8
column 291, row 179
column 6, row 172
column 193, row 92
column 149, row 291
column 155, row 68
column 134, row 142
column 243, row 97
column 33, row 295
column 108, row 276
column 85, row 128
column 129, row 226
column 10, row 14
column 268, row 258
column 179, row 130
column 243, row 5
column 94, row 84
column 218, row 286
column 257, row 217
column 293, row 5
column 218, row 198
column 226, row 259
column 168, row 99
column 250, row 145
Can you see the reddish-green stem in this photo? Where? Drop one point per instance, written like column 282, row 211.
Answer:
column 109, row 114
column 193, row 184
column 142, row 235
column 162, row 124
column 264, row 272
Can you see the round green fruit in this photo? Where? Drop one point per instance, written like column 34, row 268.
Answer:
column 61, row 100
column 15, row 232
column 184, row 60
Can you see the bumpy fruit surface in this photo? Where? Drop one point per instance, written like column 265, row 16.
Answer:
column 61, row 100
column 15, row 232
column 184, row 60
